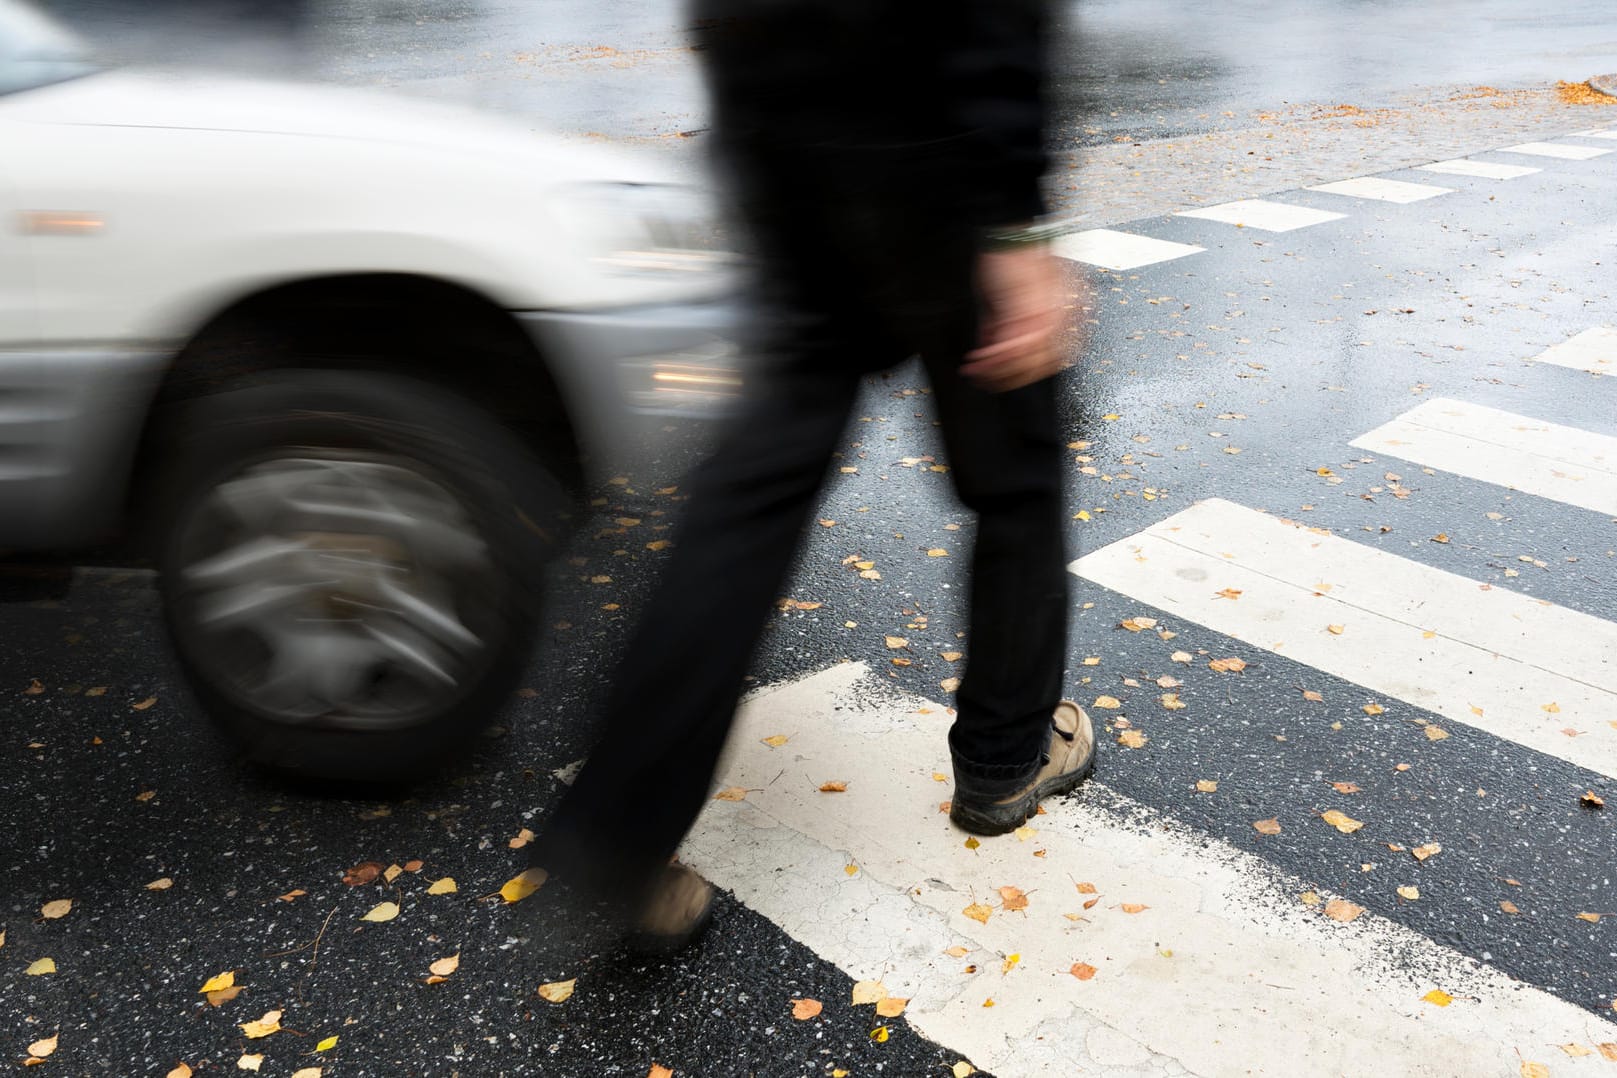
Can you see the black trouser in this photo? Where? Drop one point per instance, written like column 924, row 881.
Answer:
column 854, row 281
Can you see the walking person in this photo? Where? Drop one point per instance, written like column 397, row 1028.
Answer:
column 886, row 159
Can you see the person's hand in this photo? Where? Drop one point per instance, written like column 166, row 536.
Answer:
column 1021, row 291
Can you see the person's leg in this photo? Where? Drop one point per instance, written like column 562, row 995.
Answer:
column 1004, row 451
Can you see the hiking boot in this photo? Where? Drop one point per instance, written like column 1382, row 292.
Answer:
column 677, row 909
column 1067, row 762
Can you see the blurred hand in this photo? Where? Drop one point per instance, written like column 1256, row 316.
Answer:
column 1021, row 291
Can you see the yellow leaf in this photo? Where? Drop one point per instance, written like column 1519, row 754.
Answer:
column 1336, row 630
column 1345, row 824
column 45, row 1047
column 41, row 966
column 557, row 991
column 1231, row 665
column 1438, row 998
column 1345, row 787
column 181, row 1070
column 951, row 656
column 218, row 983
column 1411, row 893
column 1270, row 826
column 523, row 837
column 1082, row 970
column 1507, row 906
column 1374, row 709
column 445, row 886
column 162, row 884
column 382, row 911
column 775, row 741
column 1111, row 417
column 851, row 869
column 523, row 884
column 145, row 795
column 1309, row 898
column 731, row 793
column 1534, row 1070
column 1182, row 657
column 1228, row 593
column 950, row 684
column 292, row 896
column 963, row 1069
column 836, row 787
column 1171, row 701
column 57, row 908
column 891, row 1007
column 308, row 1072
column 971, row 843
column 1576, row 1050
column 144, row 704
column 1108, row 703
column 223, row 996
column 249, row 1062
column 1592, row 918
column 1011, row 961
column 1082, row 514
column 879, row 1034
column 1608, row 1051
column 1206, row 786
column 445, row 966
column 1132, row 739
column 1440, row 537
column 868, row 992
column 1133, row 907
column 978, row 912
column 897, row 642
column 1436, row 733
column 1553, row 709
column 804, row 1009
column 263, row 1027
column 1340, row 909
column 937, row 552
column 327, row 1044
column 1423, row 852
column 600, row 579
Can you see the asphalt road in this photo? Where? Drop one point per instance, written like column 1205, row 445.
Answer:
column 1242, row 372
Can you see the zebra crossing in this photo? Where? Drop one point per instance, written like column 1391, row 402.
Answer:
column 1112, row 936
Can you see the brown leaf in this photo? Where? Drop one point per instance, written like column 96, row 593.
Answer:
column 1132, row 739
column 224, row 995
column 1336, row 630
column 262, row 1027
column 413, row 866
column 557, row 991
column 1108, row 703
column 804, row 1009
column 1132, row 907
column 1231, row 665
column 1608, row 1051
column 1082, row 970
column 951, row 656
column 1171, row 701
column 1592, row 918
column 1206, row 786
column 1340, row 909
column 836, row 787
column 1013, row 898
column 1508, row 906
column 292, row 896
column 897, row 642
column 56, row 908
column 363, row 873
column 522, row 838
column 1345, row 787
column 1534, row 1070
column 1270, row 826
column 445, row 966
column 731, row 793
column 43, row 1048
column 660, row 1071
column 890, row 1007
column 1590, row 799
column 1343, row 823
column 180, row 1070
column 978, row 912
column 1374, row 709
column 144, row 704
column 1091, row 903
column 35, row 687
column 1436, row 733
column 1228, row 593
column 1313, row 697
column 1429, row 850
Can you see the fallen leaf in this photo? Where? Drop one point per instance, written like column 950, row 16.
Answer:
column 880, row 1034
column 218, row 983
column 444, row 886
column 1182, row 657
column 891, row 1007
column 326, row 1044
column 224, row 995
column 962, row 1069
column 145, row 795
column 1507, row 906
column 43, row 1048
column 1270, row 826
column 363, row 873
column 291, row 896
column 804, row 1009
column 775, row 741
column 308, row 1072
column 1013, row 898
column 836, row 787
column 1440, row 537
column 144, row 704
column 249, row 1062
column 971, row 843
column 523, row 884
column 414, row 866
column 1228, row 593
column 1313, row 697
column 161, row 884
column 951, row 656
column 382, row 911
column 1171, row 701
column 1592, row 918
column 445, row 966
column 950, row 684
column 1207, row 786
column 1132, row 739
column 868, row 992
column 897, row 642
column 937, row 552
column 957, row 951
column 1553, row 709
column 1133, row 907
column 263, row 1027
column 1592, row 799
column 56, row 908
column 1082, row 970
column 978, row 912
column 35, row 687
column 1608, row 1050
column 1340, row 909
column 1576, row 1050
column 1025, row 833
column 1336, row 630
column 731, row 793
column 1435, row 733
column 1309, row 898
column 1345, row 787
column 1091, row 903
column 659, row 544
column 1227, row 666
column 1374, row 709
column 523, row 837
column 557, row 991
column 1108, row 703
column 181, row 1070
column 1345, row 824
column 1411, row 893
column 1438, row 998
column 40, row 966
column 1429, row 850
column 1534, row 1070
column 1167, row 682
column 1137, row 624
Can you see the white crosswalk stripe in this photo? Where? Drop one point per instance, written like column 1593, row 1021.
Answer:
column 1529, row 455
column 877, row 881
column 1564, row 151
column 1380, row 190
column 1263, row 215
column 1486, row 170
column 1109, row 249
column 1593, row 350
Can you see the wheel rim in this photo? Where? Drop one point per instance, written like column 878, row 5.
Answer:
column 337, row 589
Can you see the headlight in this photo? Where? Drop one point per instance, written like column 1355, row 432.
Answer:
column 643, row 228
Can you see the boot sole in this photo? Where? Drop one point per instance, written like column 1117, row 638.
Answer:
column 989, row 820
column 664, row 945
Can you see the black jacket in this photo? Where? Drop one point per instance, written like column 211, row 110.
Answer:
column 942, row 100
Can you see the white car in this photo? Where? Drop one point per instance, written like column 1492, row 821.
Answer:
column 343, row 359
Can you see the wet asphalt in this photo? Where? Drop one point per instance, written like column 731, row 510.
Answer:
column 1310, row 338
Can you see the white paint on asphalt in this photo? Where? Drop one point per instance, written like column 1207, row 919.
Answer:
column 1485, row 170
column 1564, row 151
column 1544, row 459
column 1519, row 668
column 1113, row 250
column 1223, row 972
column 1593, row 350
column 1374, row 187
column 1597, row 133
column 1263, row 215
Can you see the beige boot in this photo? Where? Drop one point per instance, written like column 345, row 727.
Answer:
column 677, row 910
column 1069, row 760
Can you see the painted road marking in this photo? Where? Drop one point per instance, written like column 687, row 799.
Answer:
column 1593, row 350
column 1519, row 668
column 1261, row 214
column 1556, row 149
column 1597, row 134
column 1374, row 187
column 1112, row 250
column 1486, row 170
column 1197, row 981
column 1544, row 459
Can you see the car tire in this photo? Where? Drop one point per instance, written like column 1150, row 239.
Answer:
column 350, row 568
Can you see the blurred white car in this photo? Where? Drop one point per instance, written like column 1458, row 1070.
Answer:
column 343, row 359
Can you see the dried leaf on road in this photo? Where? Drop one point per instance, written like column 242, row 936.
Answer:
column 1436, row 733
column 1507, row 906
column 445, row 966
column 1132, row 739
column 1374, row 709
column 1108, row 703
column 978, row 912
column 521, row 839
column 262, row 1027
column 1411, row 893
column 868, row 992
column 891, row 1007
column 382, row 911
column 1207, row 786
column 144, row 704
column 558, row 991
column 161, row 884
column 444, row 886
column 1313, row 697
column 1340, row 909
column 1013, row 898
column 836, row 787
column 1171, row 701
column 804, row 1009
column 659, row 1071
column 775, row 741
column 45, row 1047
column 1270, row 826
column 1345, row 787
column 363, row 873
column 1133, row 907
column 950, row 684
column 1082, row 970
column 1534, row 1070
column 224, row 995
column 523, row 884
column 1345, row 824
column 181, row 1070
column 308, row 1072
column 40, row 966
column 56, row 908
column 731, row 793
column 1182, row 657
column 1438, row 998
column 1423, row 852
column 1231, row 665
column 249, row 1062
column 1590, row 799
column 962, row 1069
column 218, row 983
